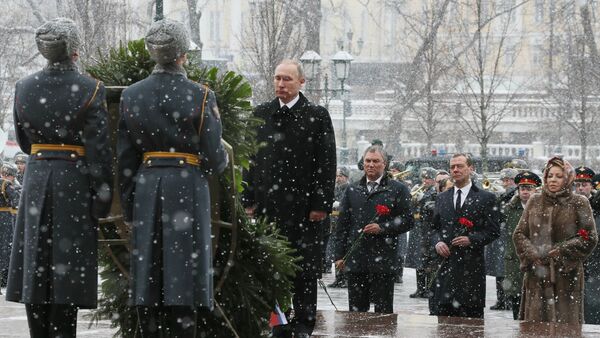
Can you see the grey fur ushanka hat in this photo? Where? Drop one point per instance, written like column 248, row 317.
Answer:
column 167, row 40
column 57, row 39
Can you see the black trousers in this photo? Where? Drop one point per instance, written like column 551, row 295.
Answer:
column 305, row 304
column 51, row 320
column 515, row 302
column 461, row 311
column 366, row 287
column 166, row 321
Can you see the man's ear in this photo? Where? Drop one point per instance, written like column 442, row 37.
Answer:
column 75, row 56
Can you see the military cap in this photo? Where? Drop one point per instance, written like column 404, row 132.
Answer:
column 517, row 163
column 167, row 40
column 9, row 169
column 428, row 173
column 343, row 171
column 596, row 182
column 584, row 174
column 57, row 39
column 397, row 166
column 509, row 173
column 528, row 178
column 20, row 157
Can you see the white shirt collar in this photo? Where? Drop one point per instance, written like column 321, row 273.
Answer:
column 377, row 180
column 291, row 103
column 465, row 190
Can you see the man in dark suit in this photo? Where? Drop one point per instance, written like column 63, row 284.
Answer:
column 465, row 220
column 371, row 259
column 291, row 181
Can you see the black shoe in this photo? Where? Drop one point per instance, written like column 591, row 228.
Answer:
column 281, row 331
column 418, row 294
column 499, row 306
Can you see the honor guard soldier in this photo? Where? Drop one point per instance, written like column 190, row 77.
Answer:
column 20, row 160
column 61, row 121
column 494, row 252
column 169, row 142
column 421, row 255
column 9, row 200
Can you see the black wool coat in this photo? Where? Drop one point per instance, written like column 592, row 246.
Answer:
column 461, row 278
column 294, row 173
column 374, row 253
column 167, row 200
column 54, row 254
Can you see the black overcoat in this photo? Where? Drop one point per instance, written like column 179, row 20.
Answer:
column 461, row 278
column 418, row 240
column 374, row 253
column 168, row 201
column 591, row 301
column 294, row 173
column 494, row 253
column 54, row 254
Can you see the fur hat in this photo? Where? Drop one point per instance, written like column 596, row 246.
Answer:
column 57, row 39
column 167, row 40
column 9, row 169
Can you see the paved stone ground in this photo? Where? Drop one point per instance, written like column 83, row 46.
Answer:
column 13, row 321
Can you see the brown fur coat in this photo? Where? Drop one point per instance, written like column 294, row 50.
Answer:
column 553, row 291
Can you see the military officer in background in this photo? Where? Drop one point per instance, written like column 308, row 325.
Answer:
column 341, row 184
column 494, row 252
column 420, row 253
column 527, row 182
column 169, row 136
column 583, row 181
column 60, row 119
column 9, row 200
column 588, row 184
column 20, row 160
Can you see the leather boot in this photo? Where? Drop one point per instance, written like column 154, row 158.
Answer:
column 421, row 285
column 501, row 303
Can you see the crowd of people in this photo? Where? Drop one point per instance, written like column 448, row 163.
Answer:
column 535, row 234
column 537, row 237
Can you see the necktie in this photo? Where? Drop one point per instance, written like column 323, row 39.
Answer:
column 458, row 204
column 372, row 185
column 284, row 110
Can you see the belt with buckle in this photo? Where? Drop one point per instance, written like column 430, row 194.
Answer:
column 191, row 159
column 8, row 209
column 39, row 148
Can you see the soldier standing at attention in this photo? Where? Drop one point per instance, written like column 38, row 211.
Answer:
column 169, row 141
column 61, row 121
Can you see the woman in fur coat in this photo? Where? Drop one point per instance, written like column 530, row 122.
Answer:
column 553, row 238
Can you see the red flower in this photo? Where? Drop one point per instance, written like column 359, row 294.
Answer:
column 382, row 210
column 584, row 234
column 466, row 222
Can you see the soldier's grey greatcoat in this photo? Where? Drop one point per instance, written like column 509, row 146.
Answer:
column 167, row 200
column 461, row 278
column 54, row 254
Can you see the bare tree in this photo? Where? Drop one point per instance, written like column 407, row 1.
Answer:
column 485, row 70
column 275, row 32
column 195, row 14
column 574, row 96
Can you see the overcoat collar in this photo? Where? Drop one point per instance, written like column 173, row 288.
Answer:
column 296, row 110
column 382, row 186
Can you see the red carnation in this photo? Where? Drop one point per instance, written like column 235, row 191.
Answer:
column 466, row 222
column 584, row 234
column 382, row 210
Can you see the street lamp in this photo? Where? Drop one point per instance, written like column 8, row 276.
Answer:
column 311, row 62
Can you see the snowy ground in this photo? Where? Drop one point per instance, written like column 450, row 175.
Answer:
column 13, row 321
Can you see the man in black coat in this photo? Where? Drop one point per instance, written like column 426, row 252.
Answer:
column 465, row 220
column 291, row 181
column 367, row 236
column 61, row 121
